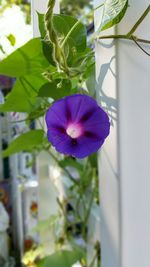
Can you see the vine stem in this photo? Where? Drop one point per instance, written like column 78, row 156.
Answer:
column 124, row 36
column 148, row 54
column 129, row 35
column 69, row 33
column 139, row 21
column 58, row 53
column 98, row 6
column 18, row 121
column 65, row 170
column 88, row 212
column 93, row 260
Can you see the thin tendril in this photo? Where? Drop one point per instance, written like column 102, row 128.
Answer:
column 148, row 54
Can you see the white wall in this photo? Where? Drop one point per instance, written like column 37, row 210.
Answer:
column 123, row 88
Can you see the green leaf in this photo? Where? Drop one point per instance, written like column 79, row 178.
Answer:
column 69, row 162
column 38, row 110
column 48, row 52
column 63, row 24
column 56, row 89
column 76, row 42
column 41, row 24
column 11, row 38
column 25, row 60
column 22, row 98
column 18, row 99
column 93, row 160
column 25, row 142
column 64, row 258
column 1, row 49
column 91, row 83
column 113, row 12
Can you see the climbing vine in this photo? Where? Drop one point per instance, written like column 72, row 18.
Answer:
column 56, row 66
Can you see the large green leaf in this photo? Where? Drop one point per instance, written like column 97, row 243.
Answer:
column 48, row 51
column 56, row 89
column 41, row 24
column 25, row 60
column 63, row 24
column 113, row 12
column 25, row 142
column 76, row 42
column 22, row 98
column 61, row 259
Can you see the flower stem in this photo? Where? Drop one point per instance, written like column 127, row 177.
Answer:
column 93, row 260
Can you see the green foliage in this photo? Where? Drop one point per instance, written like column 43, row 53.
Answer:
column 56, row 89
column 64, row 258
column 93, row 161
column 11, row 39
column 22, row 98
column 70, row 162
column 41, row 24
column 25, row 142
column 63, row 24
column 113, row 12
column 25, row 60
column 90, row 83
column 39, row 109
column 18, row 99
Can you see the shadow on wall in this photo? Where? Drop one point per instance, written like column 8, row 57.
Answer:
column 108, row 103
column 106, row 89
column 107, row 95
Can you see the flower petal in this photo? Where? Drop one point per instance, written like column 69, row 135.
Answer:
column 87, row 146
column 56, row 114
column 79, row 105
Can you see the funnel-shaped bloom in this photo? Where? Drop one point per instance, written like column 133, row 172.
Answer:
column 77, row 126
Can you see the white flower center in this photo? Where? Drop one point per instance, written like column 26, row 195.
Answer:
column 74, row 130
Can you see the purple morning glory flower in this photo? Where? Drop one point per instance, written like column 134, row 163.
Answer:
column 77, row 126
